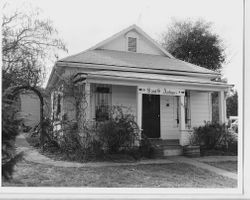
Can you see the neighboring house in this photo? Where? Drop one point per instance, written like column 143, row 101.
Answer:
column 168, row 96
column 29, row 108
column 28, row 105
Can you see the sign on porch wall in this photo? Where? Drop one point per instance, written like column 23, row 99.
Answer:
column 161, row 91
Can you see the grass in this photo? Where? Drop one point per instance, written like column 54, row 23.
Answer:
column 171, row 175
column 226, row 165
column 205, row 152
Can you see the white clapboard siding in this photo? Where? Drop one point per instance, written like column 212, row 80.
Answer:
column 69, row 107
column 143, row 45
column 200, row 108
column 124, row 96
column 30, row 109
column 169, row 129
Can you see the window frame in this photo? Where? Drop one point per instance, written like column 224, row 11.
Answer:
column 98, row 99
column 136, row 44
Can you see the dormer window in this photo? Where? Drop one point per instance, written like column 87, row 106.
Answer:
column 132, row 44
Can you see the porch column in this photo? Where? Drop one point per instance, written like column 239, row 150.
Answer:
column 183, row 133
column 139, row 108
column 87, row 98
column 222, row 107
column 182, row 113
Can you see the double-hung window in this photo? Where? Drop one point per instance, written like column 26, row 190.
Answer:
column 132, row 44
column 102, row 102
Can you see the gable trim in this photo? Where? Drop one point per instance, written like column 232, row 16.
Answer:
column 140, row 31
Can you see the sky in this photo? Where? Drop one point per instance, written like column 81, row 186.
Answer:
column 84, row 23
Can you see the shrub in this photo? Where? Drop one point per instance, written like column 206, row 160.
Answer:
column 10, row 126
column 214, row 136
column 146, row 149
column 120, row 131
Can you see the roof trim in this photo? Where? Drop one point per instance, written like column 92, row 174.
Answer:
column 140, row 31
column 119, row 78
column 133, row 69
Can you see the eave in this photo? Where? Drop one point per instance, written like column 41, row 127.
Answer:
column 133, row 69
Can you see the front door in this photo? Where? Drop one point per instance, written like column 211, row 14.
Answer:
column 151, row 115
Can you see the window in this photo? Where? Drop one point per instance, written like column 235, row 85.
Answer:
column 102, row 102
column 132, row 44
column 56, row 105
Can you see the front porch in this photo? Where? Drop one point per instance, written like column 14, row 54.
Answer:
column 172, row 113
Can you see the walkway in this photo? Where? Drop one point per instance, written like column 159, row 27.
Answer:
column 196, row 163
column 32, row 155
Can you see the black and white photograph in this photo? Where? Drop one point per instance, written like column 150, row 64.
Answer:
column 123, row 99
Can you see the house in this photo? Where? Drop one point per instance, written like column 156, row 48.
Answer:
column 167, row 96
column 28, row 105
column 29, row 108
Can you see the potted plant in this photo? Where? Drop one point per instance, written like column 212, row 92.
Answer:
column 193, row 148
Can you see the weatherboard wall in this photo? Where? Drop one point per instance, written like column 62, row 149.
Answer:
column 200, row 104
column 143, row 45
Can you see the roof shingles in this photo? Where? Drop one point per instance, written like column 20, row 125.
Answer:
column 135, row 60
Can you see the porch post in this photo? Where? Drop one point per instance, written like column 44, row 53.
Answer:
column 222, row 107
column 182, row 114
column 87, row 98
column 139, row 108
column 182, row 123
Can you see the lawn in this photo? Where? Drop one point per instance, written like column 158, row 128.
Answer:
column 153, row 175
column 226, row 165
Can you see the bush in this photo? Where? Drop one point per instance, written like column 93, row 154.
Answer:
column 213, row 136
column 10, row 126
column 119, row 132
column 82, row 148
column 146, row 149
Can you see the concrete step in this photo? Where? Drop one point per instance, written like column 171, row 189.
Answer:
column 172, row 152
column 164, row 142
column 165, row 148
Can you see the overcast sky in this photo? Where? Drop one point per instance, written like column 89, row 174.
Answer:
column 83, row 23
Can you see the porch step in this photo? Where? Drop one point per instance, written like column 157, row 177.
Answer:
column 165, row 148
column 164, row 142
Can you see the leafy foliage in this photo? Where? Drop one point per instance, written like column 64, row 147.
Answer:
column 195, row 43
column 146, row 149
column 120, row 131
column 232, row 105
column 10, row 125
column 215, row 106
column 214, row 136
column 69, row 143
column 28, row 41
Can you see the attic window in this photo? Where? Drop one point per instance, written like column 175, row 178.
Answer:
column 132, row 44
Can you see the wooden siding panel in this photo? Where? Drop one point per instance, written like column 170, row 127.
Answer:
column 69, row 107
column 200, row 108
column 124, row 96
column 169, row 129
column 30, row 109
column 143, row 45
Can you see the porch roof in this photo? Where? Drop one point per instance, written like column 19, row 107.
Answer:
column 149, row 77
column 140, row 61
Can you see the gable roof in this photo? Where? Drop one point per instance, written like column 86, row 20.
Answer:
column 103, row 59
column 120, row 59
column 140, row 31
column 124, row 31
